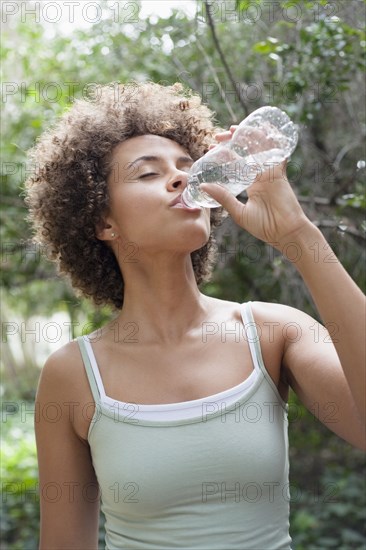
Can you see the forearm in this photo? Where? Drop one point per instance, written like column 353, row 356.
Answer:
column 61, row 533
column 340, row 303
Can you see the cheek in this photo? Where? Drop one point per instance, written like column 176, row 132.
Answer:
column 143, row 217
column 138, row 216
column 127, row 205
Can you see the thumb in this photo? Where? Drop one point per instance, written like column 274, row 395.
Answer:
column 226, row 199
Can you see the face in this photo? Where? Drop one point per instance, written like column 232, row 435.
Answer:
column 148, row 175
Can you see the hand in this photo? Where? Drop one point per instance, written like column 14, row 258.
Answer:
column 272, row 212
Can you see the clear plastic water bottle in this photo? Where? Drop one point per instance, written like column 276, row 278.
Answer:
column 264, row 139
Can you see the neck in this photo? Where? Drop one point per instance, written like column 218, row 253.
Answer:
column 162, row 298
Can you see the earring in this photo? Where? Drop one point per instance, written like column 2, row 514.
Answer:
column 113, row 234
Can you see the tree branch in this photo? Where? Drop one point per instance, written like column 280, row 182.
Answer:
column 217, row 80
column 222, row 57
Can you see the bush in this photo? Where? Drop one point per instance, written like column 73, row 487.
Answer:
column 328, row 488
column 333, row 515
column 19, row 474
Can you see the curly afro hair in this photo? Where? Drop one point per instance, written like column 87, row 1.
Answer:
column 67, row 194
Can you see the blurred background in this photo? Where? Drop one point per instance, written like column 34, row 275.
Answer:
column 306, row 57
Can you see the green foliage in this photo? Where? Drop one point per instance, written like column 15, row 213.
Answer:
column 19, row 474
column 243, row 5
column 324, row 57
column 311, row 67
column 327, row 485
column 337, row 501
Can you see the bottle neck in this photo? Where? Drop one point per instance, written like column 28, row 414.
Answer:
column 187, row 198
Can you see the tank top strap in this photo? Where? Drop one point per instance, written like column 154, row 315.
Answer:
column 252, row 337
column 92, row 374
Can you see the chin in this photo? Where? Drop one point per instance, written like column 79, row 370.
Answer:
column 194, row 237
column 191, row 245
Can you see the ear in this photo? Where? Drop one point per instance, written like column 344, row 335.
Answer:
column 105, row 231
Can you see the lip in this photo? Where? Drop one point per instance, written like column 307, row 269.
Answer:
column 177, row 203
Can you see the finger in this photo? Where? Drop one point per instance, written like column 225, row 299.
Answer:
column 228, row 134
column 271, row 172
column 226, row 199
column 223, row 136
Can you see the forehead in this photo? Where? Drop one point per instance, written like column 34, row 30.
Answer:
column 148, row 144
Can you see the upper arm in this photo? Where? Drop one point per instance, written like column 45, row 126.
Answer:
column 313, row 370
column 69, row 498
column 311, row 366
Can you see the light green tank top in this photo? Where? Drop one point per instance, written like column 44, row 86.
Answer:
column 218, row 480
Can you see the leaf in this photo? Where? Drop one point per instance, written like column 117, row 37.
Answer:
column 264, row 48
column 243, row 5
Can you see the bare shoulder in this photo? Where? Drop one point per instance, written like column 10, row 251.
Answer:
column 279, row 327
column 64, row 368
column 270, row 311
column 64, row 386
column 282, row 322
column 262, row 311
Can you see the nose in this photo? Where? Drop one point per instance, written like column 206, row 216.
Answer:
column 178, row 180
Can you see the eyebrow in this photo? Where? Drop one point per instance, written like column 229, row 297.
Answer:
column 153, row 158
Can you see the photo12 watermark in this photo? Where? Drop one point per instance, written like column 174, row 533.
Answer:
column 69, row 491
column 272, row 492
column 52, row 91
column 71, row 11
column 268, row 92
column 52, row 331
column 267, row 11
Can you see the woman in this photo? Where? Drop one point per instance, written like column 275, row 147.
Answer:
column 180, row 423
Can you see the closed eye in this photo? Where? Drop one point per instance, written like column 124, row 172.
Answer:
column 149, row 174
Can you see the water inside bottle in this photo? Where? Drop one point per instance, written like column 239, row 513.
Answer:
column 263, row 140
